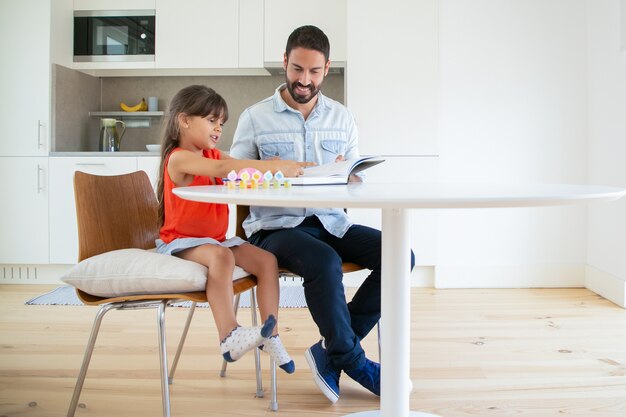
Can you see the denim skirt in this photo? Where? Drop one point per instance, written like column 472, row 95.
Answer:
column 181, row 244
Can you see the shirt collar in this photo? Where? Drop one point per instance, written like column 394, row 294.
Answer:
column 280, row 105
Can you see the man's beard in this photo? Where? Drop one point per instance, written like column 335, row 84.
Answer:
column 302, row 99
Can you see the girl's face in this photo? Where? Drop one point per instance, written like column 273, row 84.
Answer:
column 202, row 132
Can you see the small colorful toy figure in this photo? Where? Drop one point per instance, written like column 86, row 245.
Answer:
column 231, row 179
column 267, row 179
column 253, row 178
column 279, row 179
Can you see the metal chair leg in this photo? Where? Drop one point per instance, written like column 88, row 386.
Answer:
column 274, row 399
column 183, row 337
column 257, row 351
column 87, row 357
column 165, row 390
column 235, row 308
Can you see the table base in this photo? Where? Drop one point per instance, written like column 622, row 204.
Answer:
column 376, row 413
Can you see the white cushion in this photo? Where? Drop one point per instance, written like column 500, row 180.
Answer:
column 138, row 271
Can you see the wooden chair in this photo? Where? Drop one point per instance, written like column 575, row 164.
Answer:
column 120, row 212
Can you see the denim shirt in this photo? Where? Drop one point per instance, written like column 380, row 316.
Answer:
column 271, row 128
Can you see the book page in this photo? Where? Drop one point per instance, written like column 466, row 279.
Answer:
column 340, row 169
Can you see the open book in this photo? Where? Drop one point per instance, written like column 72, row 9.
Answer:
column 334, row 173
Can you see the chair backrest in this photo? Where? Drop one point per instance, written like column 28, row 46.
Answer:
column 114, row 212
column 242, row 213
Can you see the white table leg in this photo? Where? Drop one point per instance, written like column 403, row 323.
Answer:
column 396, row 318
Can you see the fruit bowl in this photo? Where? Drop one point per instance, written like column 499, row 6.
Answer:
column 153, row 147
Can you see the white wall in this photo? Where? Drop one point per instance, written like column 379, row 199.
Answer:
column 391, row 79
column 607, row 146
column 512, row 109
column 498, row 89
column 392, row 91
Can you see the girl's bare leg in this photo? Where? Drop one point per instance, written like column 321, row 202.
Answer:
column 263, row 265
column 219, row 283
column 235, row 341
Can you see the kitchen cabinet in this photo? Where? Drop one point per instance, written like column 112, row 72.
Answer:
column 250, row 33
column 151, row 165
column 25, row 77
column 213, row 37
column 24, row 210
column 197, row 34
column 283, row 16
column 63, row 228
column 114, row 4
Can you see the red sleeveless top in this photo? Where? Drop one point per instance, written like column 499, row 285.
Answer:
column 185, row 218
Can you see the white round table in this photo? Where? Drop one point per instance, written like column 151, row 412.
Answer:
column 395, row 200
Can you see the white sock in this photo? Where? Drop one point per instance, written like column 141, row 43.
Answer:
column 242, row 339
column 274, row 346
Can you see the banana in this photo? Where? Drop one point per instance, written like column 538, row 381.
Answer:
column 142, row 106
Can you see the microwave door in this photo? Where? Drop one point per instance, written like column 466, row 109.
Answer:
column 141, row 39
column 111, row 38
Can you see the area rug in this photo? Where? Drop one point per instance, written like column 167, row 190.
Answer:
column 290, row 297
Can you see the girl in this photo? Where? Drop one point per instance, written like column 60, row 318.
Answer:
column 196, row 231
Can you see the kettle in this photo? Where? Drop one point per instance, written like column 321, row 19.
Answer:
column 109, row 138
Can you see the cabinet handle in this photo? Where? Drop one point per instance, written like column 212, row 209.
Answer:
column 90, row 164
column 39, row 126
column 39, row 172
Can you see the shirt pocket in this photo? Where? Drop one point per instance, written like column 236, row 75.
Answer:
column 331, row 149
column 282, row 150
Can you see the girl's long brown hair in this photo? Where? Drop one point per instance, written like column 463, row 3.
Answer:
column 195, row 100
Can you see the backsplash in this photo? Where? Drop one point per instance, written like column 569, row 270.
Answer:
column 75, row 94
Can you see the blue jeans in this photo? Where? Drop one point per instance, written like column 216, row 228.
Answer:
column 309, row 251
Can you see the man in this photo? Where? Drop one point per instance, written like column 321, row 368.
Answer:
column 298, row 122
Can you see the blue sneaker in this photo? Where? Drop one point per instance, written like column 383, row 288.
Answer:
column 324, row 374
column 368, row 376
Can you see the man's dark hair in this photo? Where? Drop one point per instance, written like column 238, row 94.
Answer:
column 308, row 37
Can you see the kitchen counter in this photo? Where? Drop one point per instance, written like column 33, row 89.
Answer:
column 101, row 154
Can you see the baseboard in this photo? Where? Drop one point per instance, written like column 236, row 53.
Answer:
column 421, row 277
column 510, row 276
column 32, row 274
column 607, row 285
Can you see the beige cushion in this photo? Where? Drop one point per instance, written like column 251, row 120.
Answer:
column 137, row 271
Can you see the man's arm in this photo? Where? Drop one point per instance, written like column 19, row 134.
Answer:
column 244, row 143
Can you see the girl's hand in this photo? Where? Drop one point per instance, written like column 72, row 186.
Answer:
column 293, row 168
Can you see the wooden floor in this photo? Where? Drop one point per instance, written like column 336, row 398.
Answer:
column 536, row 353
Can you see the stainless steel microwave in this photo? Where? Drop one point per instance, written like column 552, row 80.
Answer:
column 111, row 36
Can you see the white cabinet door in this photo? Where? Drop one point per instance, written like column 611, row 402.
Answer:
column 283, row 16
column 250, row 33
column 151, row 165
column 114, row 4
column 25, row 77
column 24, row 210
column 197, row 34
column 63, row 229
